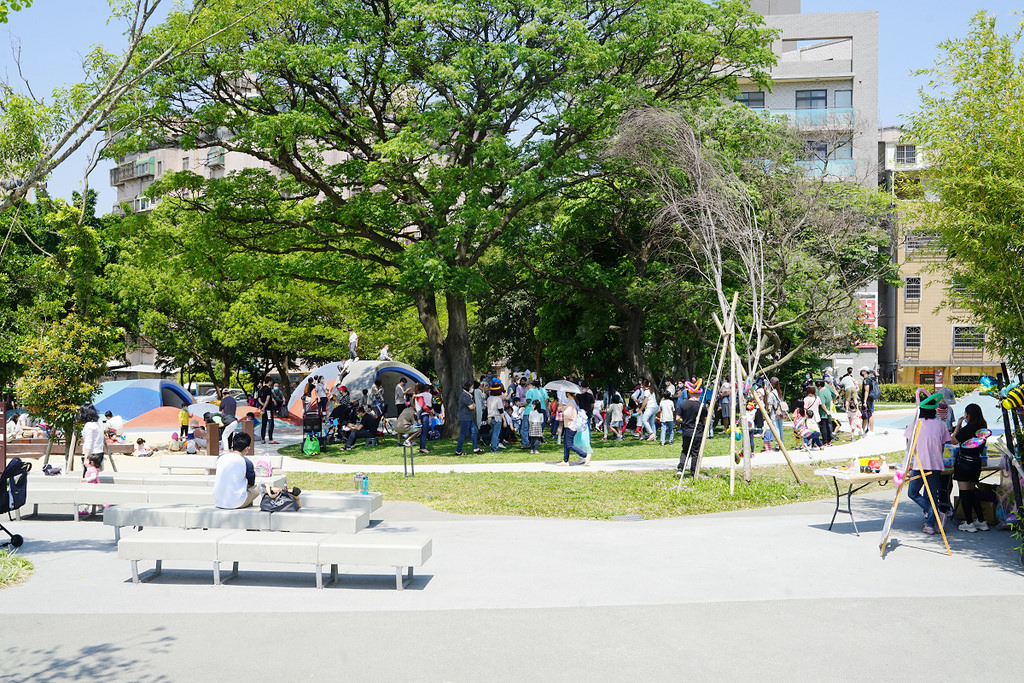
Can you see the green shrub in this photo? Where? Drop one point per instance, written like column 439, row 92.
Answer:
column 13, row 568
column 904, row 393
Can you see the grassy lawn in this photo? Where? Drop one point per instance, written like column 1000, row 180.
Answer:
column 584, row 495
column 13, row 569
column 443, row 452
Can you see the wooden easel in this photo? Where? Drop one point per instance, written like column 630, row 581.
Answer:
column 910, row 458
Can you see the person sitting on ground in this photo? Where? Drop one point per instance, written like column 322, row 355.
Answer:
column 198, row 433
column 112, row 425
column 366, row 428
column 234, row 484
column 142, row 450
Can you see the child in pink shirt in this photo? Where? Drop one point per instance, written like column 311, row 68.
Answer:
column 92, row 476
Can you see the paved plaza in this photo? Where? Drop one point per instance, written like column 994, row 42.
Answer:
column 763, row 595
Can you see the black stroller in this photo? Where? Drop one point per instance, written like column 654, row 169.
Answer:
column 13, row 492
column 312, row 424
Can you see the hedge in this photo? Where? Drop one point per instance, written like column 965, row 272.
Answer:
column 904, row 393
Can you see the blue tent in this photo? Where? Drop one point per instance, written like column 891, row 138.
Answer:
column 132, row 397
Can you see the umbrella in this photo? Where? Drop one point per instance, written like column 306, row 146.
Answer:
column 199, row 409
column 563, row 385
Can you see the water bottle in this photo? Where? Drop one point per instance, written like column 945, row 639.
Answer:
column 366, row 484
column 357, row 481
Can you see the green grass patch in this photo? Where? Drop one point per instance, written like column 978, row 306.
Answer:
column 13, row 569
column 442, row 452
column 583, row 494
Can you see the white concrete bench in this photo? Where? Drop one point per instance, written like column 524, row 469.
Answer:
column 177, row 461
column 277, row 480
column 398, row 550
column 74, row 494
column 181, row 516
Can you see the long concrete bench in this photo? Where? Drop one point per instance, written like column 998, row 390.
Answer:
column 399, row 550
column 178, row 461
column 322, row 520
column 277, row 480
column 46, row 493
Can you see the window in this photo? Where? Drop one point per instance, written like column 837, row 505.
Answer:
column 912, row 289
column 926, row 378
column 754, row 100
column 184, row 163
column 159, row 167
column 966, row 379
column 921, row 240
column 815, row 150
column 844, row 98
column 843, row 150
column 812, row 99
column 912, row 337
column 906, row 154
column 968, row 337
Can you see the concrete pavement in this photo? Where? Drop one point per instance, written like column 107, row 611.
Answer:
column 758, row 595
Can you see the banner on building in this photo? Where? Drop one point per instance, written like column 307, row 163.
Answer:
column 869, row 302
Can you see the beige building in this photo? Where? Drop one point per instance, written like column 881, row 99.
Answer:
column 927, row 342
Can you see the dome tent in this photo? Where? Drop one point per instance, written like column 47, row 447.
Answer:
column 361, row 375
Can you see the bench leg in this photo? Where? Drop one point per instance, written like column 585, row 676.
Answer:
column 320, row 576
column 399, row 584
column 159, row 568
column 234, row 570
column 216, row 573
column 35, row 510
column 117, row 534
column 75, row 513
column 135, row 571
column 334, row 573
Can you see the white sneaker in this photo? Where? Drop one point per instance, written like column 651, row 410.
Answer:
column 980, row 525
column 563, row 464
column 969, row 528
column 501, row 446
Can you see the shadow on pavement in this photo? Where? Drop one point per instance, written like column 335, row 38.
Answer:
column 103, row 661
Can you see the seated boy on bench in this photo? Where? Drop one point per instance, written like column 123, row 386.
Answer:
column 234, row 485
column 366, row 428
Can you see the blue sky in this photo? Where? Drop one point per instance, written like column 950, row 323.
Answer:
column 54, row 34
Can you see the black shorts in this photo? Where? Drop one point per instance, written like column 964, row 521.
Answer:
column 967, row 469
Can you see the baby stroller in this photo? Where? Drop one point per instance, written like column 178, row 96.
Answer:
column 13, row 491
column 313, row 424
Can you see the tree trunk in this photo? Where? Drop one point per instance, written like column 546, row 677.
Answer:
column 632, row 344
column 281, row 363
column 453, row 359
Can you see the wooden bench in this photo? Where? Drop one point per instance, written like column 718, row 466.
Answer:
column 399, row 550
column 36, row 448
column 182, row 516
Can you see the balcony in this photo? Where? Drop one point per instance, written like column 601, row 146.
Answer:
column 132, row 170
column 838, row 117
column 841, row 168
column 215, row 157
column 136, row 205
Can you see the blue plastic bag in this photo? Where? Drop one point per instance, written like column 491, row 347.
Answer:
column 582, row 441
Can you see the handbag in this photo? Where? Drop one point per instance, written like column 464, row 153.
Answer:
column 282, row 500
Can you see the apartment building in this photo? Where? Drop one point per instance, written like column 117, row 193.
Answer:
column 826, row 83
column 926, row 341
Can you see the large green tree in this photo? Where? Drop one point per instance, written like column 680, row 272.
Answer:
column 971, row 121
column 413, row 135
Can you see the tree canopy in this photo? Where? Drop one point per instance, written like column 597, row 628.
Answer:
column 413, row 135
column 970, row 121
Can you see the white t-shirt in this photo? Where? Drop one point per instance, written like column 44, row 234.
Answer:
column 230, row 488
column 115, row 423
column 667, row 410
column 92, row 438
column 615, row 412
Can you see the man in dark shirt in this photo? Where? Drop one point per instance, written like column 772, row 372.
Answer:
column 265, row 400
column 692, row 414
column 585, row 399
column 366, row 427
